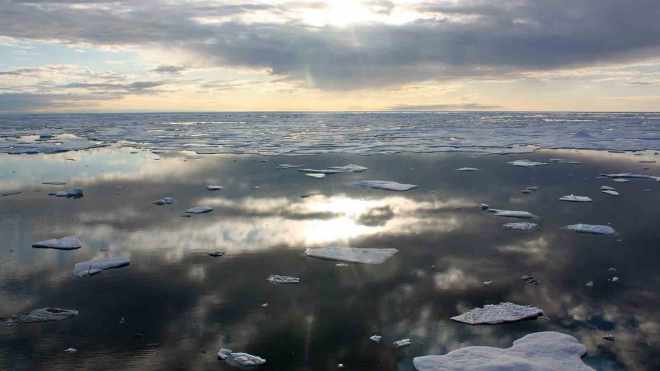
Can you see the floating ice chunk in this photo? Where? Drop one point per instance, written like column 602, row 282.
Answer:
column 611, row 269
column 523, row 226
column 276, row 278
column 574, row 198
column 241, row 360
column 468, row 169
column 621, row 180
column 350, row 168
column 513, row 214
column 385, row 184
column 72, row 193
column 402, row 343
column 526, row 163
column 316, row 175
column 288, row 166
column 164, row 201
column 375, row 338
column 70, row 350
column 487, row 283
column 589, row 284
column 539, row 351
column 500, row 313
column 484, row 206
column 64, row 243
column 46, row 314
column 608, row 337
column 614, row 279
column 632, row 176
column 199, row 210
column 214, row 187
column 320, row 171
column 610, row 192
column 352, row 254
column 92, row 267
column 591, row 228
column 607, row 188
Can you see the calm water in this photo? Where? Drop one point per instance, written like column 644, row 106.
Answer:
column 181, row 305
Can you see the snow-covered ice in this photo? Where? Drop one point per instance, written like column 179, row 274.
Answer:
column 513, row 214
column 64, row 243
column 385, row 184
column 352, row 254
column 241, row 360
column 575, row 198
column 316, row 175
column 591, row 228
column 522, row 226
column 526, row 163
column 467, row 169
column 276, row 278
column 539, row 351
column 500, row 313
column 610, row 192
column 607, row 188
column 402, row 343
column 92, row 267
column 375, row 338
column 632, row 176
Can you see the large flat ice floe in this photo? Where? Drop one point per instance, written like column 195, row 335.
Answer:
column 92, row 267
column 539, row 351
column 385, row 184
column 45, row 315
column 575, row 198
column 64, row 243
column 240, row 360
column 352, row 254
column 513, row 214
column 591, row 228
column 500, row 313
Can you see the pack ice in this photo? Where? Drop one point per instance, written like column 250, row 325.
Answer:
column 92, row 267
column 493, row 314
column 591, row 228
column 64, row 243
column 539, row 351
column 352, row 254
column 385, row 184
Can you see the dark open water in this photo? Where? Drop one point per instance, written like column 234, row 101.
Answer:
column 180, row 305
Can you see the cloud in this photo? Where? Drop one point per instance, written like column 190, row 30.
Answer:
column 137, row 87
column 448, row 40
column 444, row 107
column 169, row 69
column 19, row 102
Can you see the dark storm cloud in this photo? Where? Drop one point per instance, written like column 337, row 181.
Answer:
column 472, row 38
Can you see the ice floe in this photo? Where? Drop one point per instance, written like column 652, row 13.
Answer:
column 632, row 176
column 522, row 226
column 513, row 214
column 375, row 338
column 352, row 254
column 575, row 198
column 607, row 188
column 241, row 360
column 276, row 278
column 500, row 313
column 316, row 175
column 199, row 210
column 385, row 184
column 92, row 267
column 539, row 351
column 70, row 350
column 591, row 228
column 72, row 193
column 526, row 163
column 402, row 343
column 350, row 168
column 45, row 315
column 164, row 201
column 621, row 180
column 467, row 169
column 214, row 187
column 64, row 243
column 610, row 192
column 288, row 166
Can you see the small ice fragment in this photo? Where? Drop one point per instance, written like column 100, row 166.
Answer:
column 402, row 343
column 487, row 283
column 607, row 188
column 513, row 214
column 526, row 163
column 264, row 305
column 352, row 254
column 620, row 180
column 574, row 198
column 375, row 338
column 385, row 184
column 608, row 337
column 214, row 187
column 467, row 169
column 350, row 168
column 614, row 279
column 164, row 201
column 199, row 210
column 316, row 175
column 64, row 243
column 500, row 313
column 92, row 267
column 534, row 352
column 46, row 314
column 632, row 176
column 610, row 192
column 276, row 278
column 240, row 360
column 523, row 226
column 484, row 206
column 533, row 188
column 590, row 284
column 288, row 166
column 224, row 353
column 216, row 254
column 70, row 350
column 611, row 269
column 320, row 171
column 591, row 229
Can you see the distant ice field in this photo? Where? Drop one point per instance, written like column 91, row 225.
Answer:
column 316, row 133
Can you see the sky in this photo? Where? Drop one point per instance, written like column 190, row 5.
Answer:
column 341, row 55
